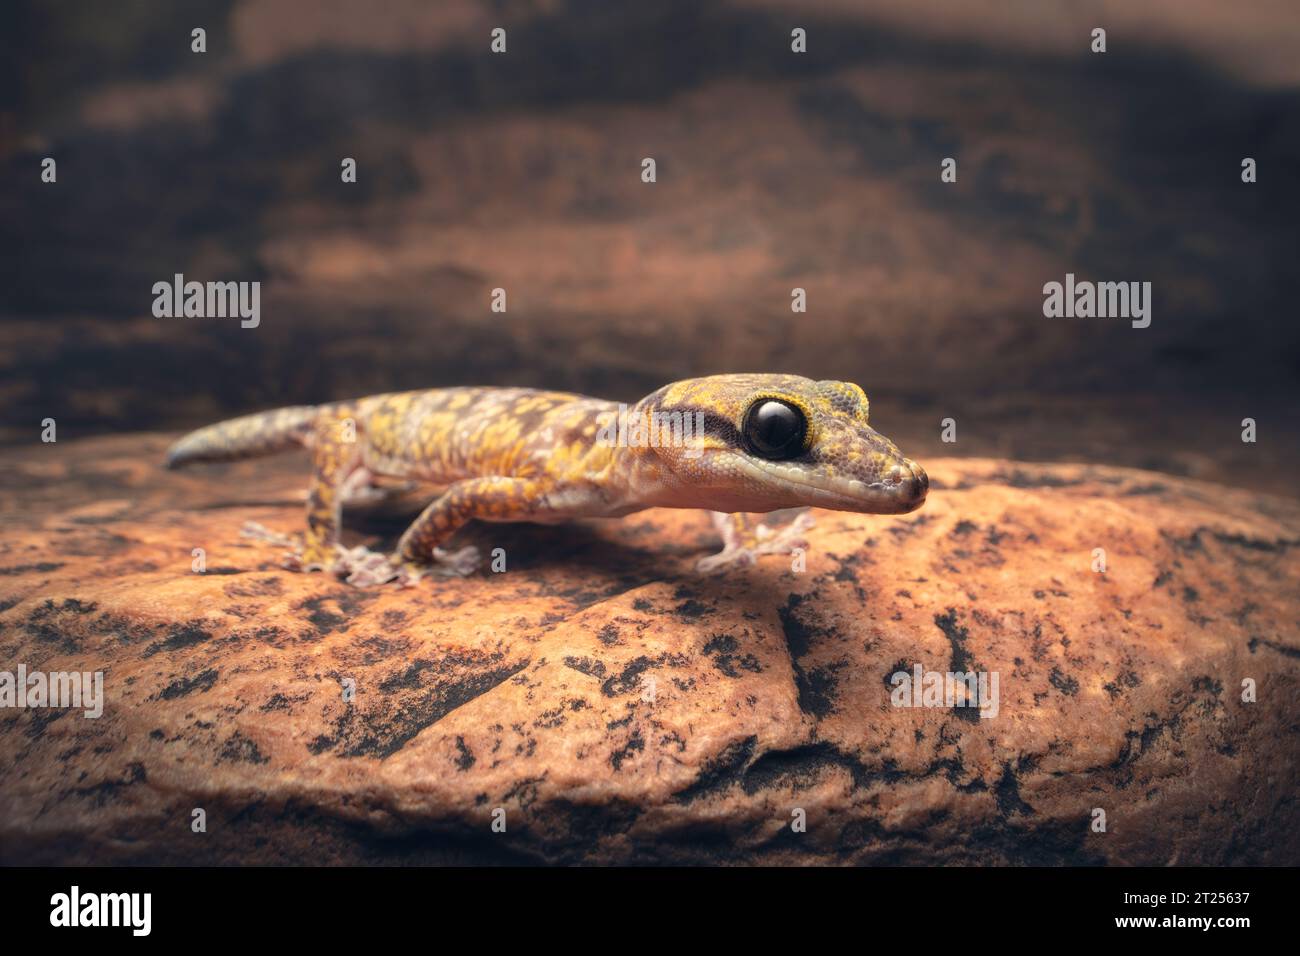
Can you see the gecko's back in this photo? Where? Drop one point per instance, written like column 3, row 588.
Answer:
column 448, row 434
column 437, row 435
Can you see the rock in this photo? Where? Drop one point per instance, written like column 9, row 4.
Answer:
column 530, row 690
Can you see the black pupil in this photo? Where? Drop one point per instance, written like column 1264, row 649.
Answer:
column 774, row 429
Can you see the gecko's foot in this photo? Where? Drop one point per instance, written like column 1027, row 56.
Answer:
column 361, row 567
column 743, row 550
column 358, row 561
column 297, row 557
column 364, row 568
column 260, row 532
column 458, row 564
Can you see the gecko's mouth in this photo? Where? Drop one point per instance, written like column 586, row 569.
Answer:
column 902, row 489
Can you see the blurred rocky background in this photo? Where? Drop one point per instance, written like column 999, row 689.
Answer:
column 775, row 170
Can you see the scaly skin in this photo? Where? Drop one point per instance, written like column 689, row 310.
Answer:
column 512, row 454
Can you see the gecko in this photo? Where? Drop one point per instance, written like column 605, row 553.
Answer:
column 733, row 445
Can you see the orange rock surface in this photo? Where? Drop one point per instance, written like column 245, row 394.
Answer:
column 619, row 707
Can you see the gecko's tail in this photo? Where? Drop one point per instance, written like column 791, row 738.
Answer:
column 247, row 437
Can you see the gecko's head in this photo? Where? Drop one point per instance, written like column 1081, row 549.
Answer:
column 764, row 442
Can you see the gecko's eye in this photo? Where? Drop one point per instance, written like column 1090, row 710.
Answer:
column 774, row 429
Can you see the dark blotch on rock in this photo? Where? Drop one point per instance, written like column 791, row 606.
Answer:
column 202, row 681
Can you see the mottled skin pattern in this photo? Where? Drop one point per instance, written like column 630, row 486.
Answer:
column 513, row 454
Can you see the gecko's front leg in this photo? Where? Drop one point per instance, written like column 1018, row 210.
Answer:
column 491, row 499
column 743, row 541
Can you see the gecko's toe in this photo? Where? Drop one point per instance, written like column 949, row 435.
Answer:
column 460, row 563
column 407, row 574
column 726, row 559
column 786, row 539
column 364, row 568
column 260, row 532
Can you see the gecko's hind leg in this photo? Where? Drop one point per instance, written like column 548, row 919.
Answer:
column 335, row 454
column 743, row 542
column 338, row 477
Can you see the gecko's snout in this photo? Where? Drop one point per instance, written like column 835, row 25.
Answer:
column 909, row 484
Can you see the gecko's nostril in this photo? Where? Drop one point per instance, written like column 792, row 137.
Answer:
column 910, row 483
column 908, row 470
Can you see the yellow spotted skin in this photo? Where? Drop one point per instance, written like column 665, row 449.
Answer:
column 515, row 454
